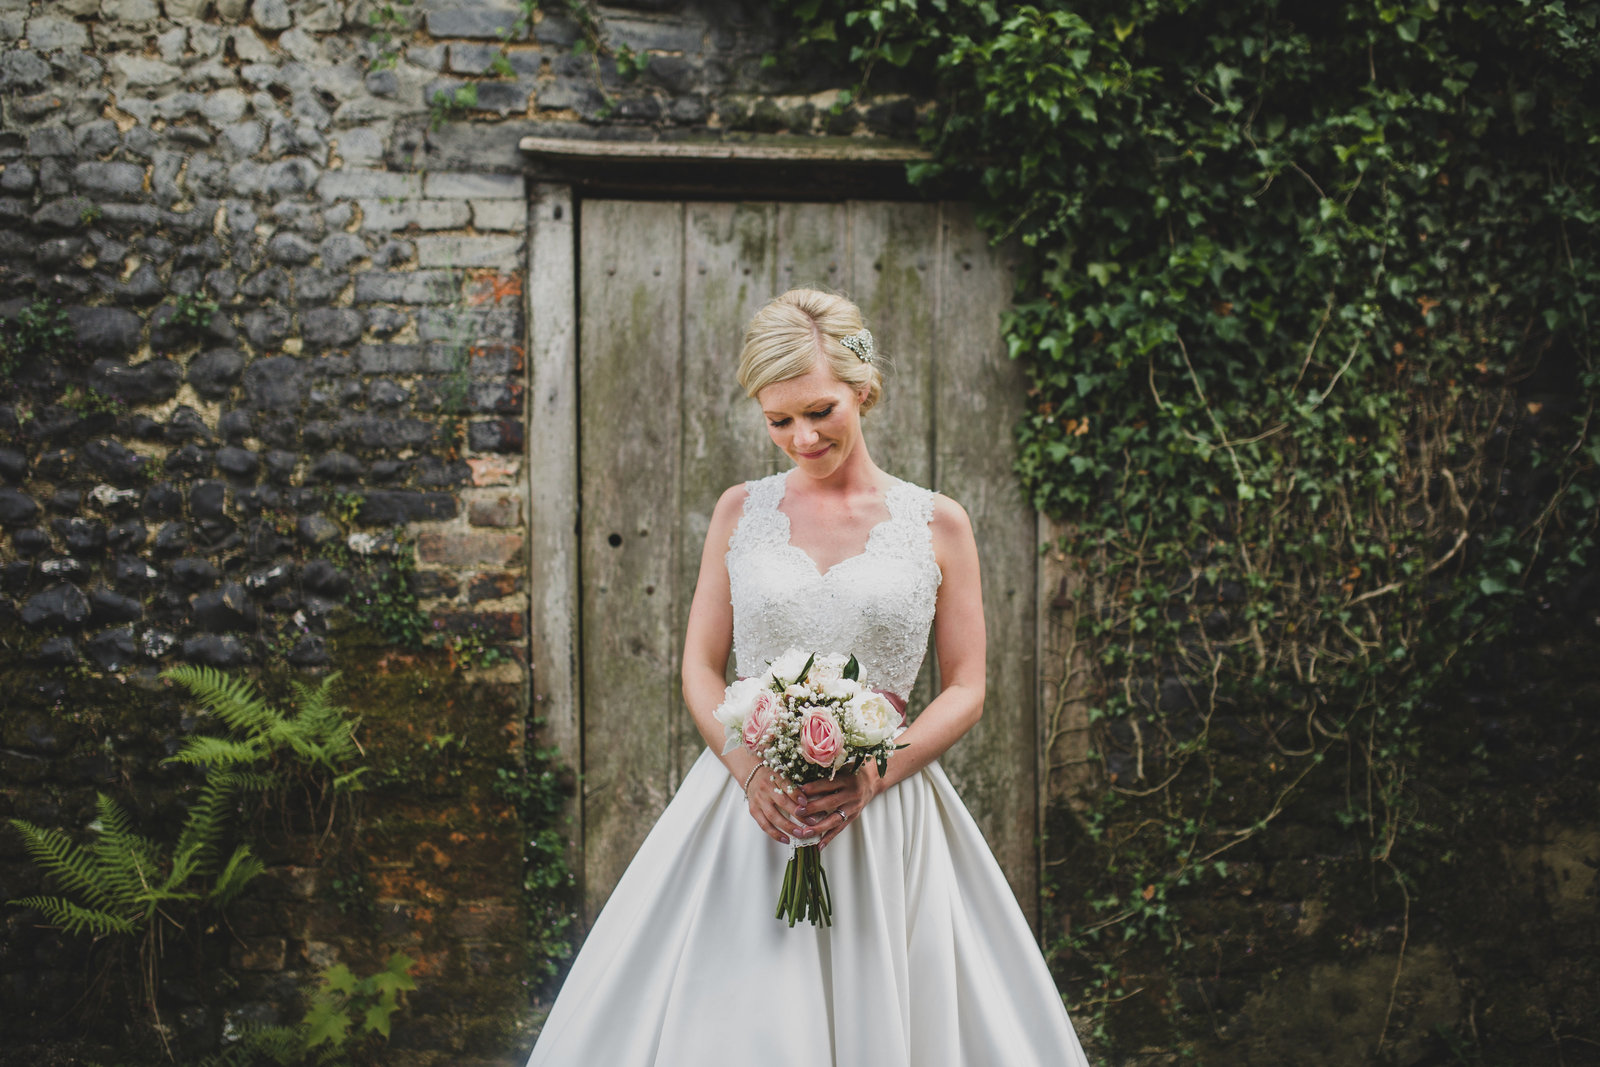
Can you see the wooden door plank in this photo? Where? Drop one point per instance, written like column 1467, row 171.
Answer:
column 730, row 270
column 976, row 406
column 631, row 302
column 552, row 465
column 814, row 248
column 894, row 253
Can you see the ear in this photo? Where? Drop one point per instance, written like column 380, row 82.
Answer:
column 862, row 392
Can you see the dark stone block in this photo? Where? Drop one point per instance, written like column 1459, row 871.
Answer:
column 30, row 542
column 83, row 537
column 194, row 573
column 281, row 465
column 386, row 322
column 263, row 541
column 270, row 284
column 320, row 576
column 315, row 286
column 113, row 650
column 57, row 652
column 131, row 572
column 208, row 500
column 318, row 530
column 13, row 465
column 13, row 579
column 215, row 651
column 387, row 470
column 330, row 327
column 126, row 536
column 58, row 607
column 433, row 584
column 252, row 500
column 108, row 607
column 173, row 537
column 500, row 435
column 310, row 651
column 142, row 427
column 266, row 328
column 397, row 507
column 163, row 501
column 190, row 459
column 336, row 467
column 66, row 501
column 16, row 508
column 290, row 249
column 113, row 331
column 391, row 434
column 387, row 394
column 238, row 462
column 275, row 384
column 116, row 461
column 149, row 382
column 234, row 426
column 216, row 372
column 186, row 424
column 228, row 608
column 435, row 473
column 215, row 536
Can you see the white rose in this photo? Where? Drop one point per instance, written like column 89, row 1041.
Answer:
column 839, row 688
column 737, row 701
column 828, row 667
column 787, row 666
column 870, row 719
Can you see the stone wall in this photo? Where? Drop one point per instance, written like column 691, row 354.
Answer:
column 281, row 430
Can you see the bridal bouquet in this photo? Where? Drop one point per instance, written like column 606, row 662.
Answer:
column 808, row 718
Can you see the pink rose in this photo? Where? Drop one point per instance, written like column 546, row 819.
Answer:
column 820, row 737
column 760, row 718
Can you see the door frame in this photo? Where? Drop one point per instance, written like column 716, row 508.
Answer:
column 552, row 411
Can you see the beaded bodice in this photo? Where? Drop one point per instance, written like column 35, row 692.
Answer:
column 878, row 604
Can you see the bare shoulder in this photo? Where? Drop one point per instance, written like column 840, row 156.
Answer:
column 725, row 517
column 952, row 530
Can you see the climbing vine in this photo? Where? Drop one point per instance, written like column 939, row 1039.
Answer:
column 1312, row 388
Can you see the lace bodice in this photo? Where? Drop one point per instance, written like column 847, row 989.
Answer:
column 877, row 604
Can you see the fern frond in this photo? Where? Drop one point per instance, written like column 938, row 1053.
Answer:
column 72, row 866
column 202, row 826
column 248, row 781
column 220, row 752
column 242, row 866
column 233, row 700
column 77, row 919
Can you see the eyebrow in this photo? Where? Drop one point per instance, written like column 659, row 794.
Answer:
column 808, row 405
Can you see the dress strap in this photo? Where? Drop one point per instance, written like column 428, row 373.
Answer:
column 760, row 521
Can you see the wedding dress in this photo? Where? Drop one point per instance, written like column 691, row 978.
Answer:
column 929, row 961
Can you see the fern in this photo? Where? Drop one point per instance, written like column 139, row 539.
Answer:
column 76, row 919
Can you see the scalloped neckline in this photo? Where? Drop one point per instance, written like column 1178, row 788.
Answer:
column 872, row 534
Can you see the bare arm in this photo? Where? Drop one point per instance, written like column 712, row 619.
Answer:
column 706, row 645
column 959, row 642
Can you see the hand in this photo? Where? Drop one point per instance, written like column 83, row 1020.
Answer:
column 831, row 805
column 774, row 805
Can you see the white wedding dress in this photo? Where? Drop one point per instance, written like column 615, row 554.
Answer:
column 929, row 961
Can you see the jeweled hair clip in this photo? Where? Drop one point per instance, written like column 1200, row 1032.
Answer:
column 861, row 344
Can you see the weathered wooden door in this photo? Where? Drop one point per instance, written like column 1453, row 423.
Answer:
column 664, row 290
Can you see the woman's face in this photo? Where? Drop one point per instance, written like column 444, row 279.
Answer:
column 815, row 419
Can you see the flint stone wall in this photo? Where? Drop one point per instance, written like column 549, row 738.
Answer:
column 185, row 486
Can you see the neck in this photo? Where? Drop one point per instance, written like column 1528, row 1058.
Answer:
column 857, row 474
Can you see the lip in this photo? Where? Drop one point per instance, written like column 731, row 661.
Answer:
column 818, row 454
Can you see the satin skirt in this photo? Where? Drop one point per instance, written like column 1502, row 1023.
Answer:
column 929, row 961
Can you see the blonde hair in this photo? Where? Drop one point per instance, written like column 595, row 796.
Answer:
column 786, row 337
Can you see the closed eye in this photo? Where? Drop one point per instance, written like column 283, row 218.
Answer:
column 778, row 424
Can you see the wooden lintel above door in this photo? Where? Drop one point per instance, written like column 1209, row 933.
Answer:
column 768, row 167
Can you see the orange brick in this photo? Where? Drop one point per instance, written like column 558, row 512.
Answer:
column 493, row 470
column 469, row 548
column 500, row 509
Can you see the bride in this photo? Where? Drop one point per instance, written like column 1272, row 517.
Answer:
column 929, row 961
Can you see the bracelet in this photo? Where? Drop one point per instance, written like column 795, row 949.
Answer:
column 750, row 778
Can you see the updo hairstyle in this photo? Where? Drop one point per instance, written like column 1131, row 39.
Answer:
column 785, row 338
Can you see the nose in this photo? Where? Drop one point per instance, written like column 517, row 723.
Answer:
column 805, row 438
